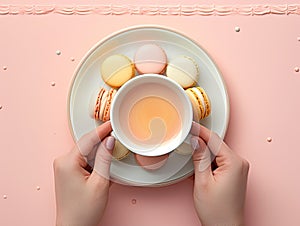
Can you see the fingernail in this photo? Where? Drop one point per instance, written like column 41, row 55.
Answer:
column 110, row 143
column 194, row 143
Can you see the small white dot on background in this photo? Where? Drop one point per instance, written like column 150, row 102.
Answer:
column 58, row 52
column 38, row 188
column 133, row 201
column 296, row 69
column 4, row 68
column 72, row 59
column 237, row 29
column 53, row 83
column 4, row 196
column 298, row 39
column 1, row 107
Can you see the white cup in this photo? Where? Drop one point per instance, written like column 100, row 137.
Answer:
column 131, row 116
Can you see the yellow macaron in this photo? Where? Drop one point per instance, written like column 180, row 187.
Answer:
column 116, row 70
column 200, row 102
column 120, row 151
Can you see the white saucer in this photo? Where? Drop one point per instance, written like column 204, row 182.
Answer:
column 87, row 79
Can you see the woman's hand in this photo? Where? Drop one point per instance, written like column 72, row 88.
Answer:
column 219, row 191
column 81, row 196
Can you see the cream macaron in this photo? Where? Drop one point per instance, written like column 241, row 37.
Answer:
column 200, row 102
column 184, row 70
column 116, row 70
column 150, row 59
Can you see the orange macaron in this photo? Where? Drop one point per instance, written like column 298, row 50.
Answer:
column 100, row 104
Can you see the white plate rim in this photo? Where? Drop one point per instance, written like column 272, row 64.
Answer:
column 148, row 26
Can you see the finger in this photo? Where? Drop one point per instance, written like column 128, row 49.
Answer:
column 104, row 129
column 195, row 130
column 103, row 158
column 87, row 143
column 202, row 160
column 201, row 131
column 202, row 166
column 213, row 141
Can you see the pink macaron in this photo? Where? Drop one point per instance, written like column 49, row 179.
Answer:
column 150, row 59
column 151, row 162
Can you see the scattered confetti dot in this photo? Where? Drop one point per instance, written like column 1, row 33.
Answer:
column 38, row 188
column 53, row 84
column 58, row 52
column 72, row 59
column 269, row 139
column 4, row 68
column 5, row 196
column 237, row 29
column 296, row 69
column 133, row 201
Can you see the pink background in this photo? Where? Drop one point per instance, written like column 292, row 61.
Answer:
column 258, row 64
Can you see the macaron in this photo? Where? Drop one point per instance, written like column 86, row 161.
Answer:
column 120, row 151
column 151, row 162
column 184, row 70
column 184, row 149
column 99, row 107
column 150, row 59
column 200, row 102
column 116, row 70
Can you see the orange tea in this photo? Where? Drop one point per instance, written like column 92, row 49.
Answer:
column 154, row 120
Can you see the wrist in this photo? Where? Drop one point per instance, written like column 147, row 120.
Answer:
column 234, row 223
column 58, row 223
column 238, row 221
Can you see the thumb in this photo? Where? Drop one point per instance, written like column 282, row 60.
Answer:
column 202, row 160
column 103, row 158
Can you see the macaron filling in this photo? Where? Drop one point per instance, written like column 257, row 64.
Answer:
column 200, row 98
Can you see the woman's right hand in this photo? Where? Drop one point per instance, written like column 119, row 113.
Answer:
column 219, row 193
